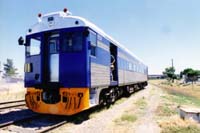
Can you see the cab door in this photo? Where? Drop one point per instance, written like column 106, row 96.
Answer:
column 53, row 57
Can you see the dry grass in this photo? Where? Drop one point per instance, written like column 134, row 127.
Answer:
column 170, row 122
column 167, row 114
column 9, row 96
column 177, row 125
column 10, row 92
column 186, row 89
column 132, row 114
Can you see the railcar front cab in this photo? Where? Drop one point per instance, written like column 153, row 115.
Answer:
column 56, row 70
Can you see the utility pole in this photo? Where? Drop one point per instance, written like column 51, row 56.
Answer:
column 0, row 70
column 173, row 69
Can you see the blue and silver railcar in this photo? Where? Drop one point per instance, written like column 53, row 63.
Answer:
column 72, row 65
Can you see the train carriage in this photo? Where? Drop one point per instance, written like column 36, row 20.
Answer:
column 72, row 65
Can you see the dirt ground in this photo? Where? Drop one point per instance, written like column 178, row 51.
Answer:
column 151, row 110
column 111, row 120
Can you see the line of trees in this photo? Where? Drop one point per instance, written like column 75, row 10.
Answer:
column 189, row 74
column 170, row 73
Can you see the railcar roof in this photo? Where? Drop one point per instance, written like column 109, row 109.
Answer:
column 64, row 20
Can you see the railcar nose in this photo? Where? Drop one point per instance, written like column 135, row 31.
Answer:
column 51, row 97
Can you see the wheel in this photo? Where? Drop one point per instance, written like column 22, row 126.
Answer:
column 112, row 96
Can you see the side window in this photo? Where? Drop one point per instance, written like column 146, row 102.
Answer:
column 72, row 42
column 129, row 66
column 77, row 41
column 67, row 43
column 34, row 46
column 93, row 40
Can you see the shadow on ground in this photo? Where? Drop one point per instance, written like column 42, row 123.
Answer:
column 45, row 120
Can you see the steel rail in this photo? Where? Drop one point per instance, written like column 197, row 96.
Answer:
column 13, row 106
column 3, row 125
column 52, row 127
column 12, row 102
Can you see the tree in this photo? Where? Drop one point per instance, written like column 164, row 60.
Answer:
column 181, row 74
column 9, row 69
column 169, row 72
column 191, row 75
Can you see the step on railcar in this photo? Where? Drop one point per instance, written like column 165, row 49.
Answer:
column 72, row 65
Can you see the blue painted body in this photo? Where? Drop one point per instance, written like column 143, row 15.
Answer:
column 30, row 77
column 74, row 67
column 103, row 56
column 73, row 70
column 36, row 61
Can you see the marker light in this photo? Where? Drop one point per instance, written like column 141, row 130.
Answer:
column 65, row 10
column 39, row 15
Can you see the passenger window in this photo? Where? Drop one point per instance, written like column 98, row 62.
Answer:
column 129, row 66
column 93, row 40
column 34, row 47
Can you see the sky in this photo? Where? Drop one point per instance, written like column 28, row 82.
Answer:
column 157, row 31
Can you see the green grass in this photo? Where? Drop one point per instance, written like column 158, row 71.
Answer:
column 166, row 97
column 167, row 83
column 176, row 99
column 166, row 110
column 180, row 129
column 128, row 117
column 121, row 100
column 141, row 103
column 185, row 100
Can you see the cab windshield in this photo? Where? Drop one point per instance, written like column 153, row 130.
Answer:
column 34, row 46
column 70, row 42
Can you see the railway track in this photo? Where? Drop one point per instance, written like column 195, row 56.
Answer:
column 12, row 104
column 35, row 117
column 24, row 119
column 53, row 127
column 6, row 124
